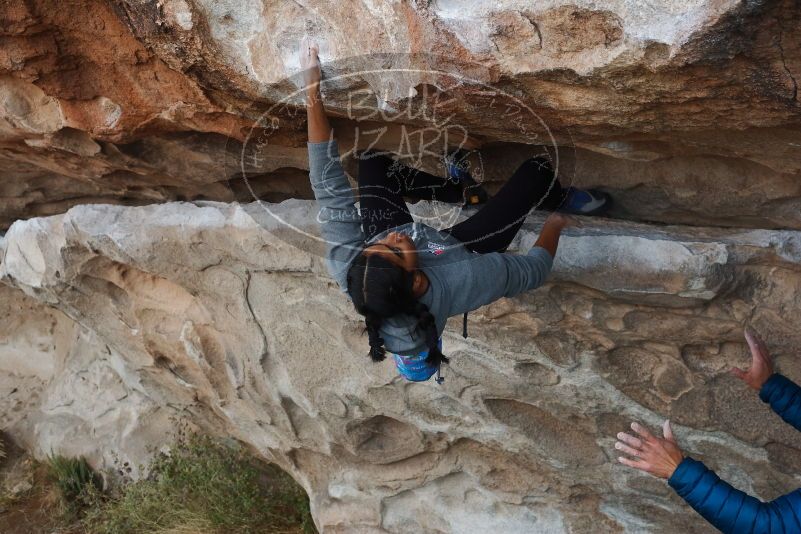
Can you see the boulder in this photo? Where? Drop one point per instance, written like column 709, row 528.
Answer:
column 222, row 315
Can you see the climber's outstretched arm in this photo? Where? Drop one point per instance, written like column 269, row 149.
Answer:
column 340, row 221
column 319, row 127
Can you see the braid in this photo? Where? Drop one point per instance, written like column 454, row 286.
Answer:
column 428, row 324
column 377, row 352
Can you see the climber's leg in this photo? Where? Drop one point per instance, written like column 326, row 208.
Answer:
column 383, row 182
column 420, row 185
column 381, row 201
column 532, row 186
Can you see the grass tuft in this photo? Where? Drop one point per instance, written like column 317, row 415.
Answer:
column 77, row 485
column 204, row 486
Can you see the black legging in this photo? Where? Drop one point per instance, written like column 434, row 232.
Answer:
column 384, row 182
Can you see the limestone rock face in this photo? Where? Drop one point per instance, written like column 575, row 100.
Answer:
column 687, row 110
column 217, row 314
column 63, row 390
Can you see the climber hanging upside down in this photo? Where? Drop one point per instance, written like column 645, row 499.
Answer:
column 407, row 278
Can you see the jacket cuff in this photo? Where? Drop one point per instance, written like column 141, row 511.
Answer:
column 686, row 474
column 774, row 385
column 320, row 156
column 321, row 145
column 323, row 151
column 544, row 255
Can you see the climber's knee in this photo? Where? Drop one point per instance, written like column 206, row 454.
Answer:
column 536, row 167
column 532, row 175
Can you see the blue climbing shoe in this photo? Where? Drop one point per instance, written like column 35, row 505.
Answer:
column 585, row 202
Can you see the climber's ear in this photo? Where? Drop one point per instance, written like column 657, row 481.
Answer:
column 418, row 283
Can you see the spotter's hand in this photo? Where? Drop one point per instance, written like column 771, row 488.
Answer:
column 761, row 364
column 658, row 456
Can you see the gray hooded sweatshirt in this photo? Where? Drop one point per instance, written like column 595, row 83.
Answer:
column 459, row 280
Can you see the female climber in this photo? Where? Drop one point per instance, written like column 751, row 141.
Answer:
column 407, row 278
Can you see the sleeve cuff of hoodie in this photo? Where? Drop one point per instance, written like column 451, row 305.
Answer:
column 320, row 156
column 774, row 384
column 321, row 145
column 543, row 255
column 687, row 473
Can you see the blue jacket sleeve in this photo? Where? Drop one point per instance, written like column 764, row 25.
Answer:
column 340, row 222
column 497, row 275
column 784, row 396
column 730, row 510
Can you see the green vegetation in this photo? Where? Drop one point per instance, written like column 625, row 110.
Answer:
column 76, row 484
column 205, row 486
column 202, row 486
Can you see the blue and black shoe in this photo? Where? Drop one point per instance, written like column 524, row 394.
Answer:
column 458, row 169
column 585, row 202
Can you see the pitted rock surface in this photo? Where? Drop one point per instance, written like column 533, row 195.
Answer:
column 213, row 313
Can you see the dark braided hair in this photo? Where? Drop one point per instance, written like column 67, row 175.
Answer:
column 379, row 290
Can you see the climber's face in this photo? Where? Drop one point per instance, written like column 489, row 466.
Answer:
column 396, row 248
